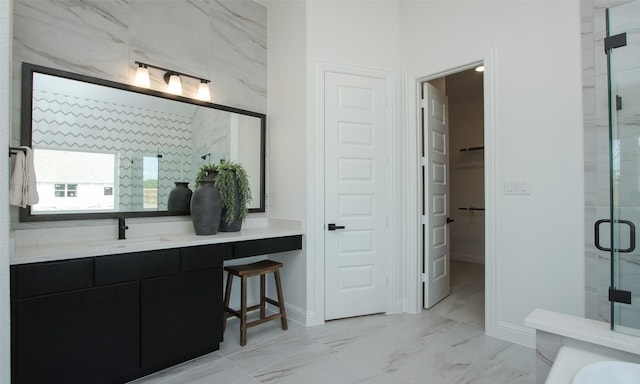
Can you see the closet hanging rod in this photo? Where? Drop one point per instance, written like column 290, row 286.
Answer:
column 471, row 209
column 476, row 148
column 13, row 150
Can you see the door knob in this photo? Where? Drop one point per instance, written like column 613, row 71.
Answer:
column 333, row 227
column 449, row 220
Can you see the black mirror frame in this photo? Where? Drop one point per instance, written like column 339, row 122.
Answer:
column 26, row 135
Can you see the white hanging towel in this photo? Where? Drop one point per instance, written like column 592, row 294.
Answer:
column 22, row 188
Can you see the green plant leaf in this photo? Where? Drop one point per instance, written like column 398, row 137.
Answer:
column 204, row 171
column 231, row 176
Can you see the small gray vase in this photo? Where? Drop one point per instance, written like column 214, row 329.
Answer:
column 206, row 207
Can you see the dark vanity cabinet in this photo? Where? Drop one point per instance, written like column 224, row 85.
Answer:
column 181, row 315
column 110, row 319
column 114, row 318
column 73, row 334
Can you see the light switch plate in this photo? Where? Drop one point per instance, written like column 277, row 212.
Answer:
column 517, row 187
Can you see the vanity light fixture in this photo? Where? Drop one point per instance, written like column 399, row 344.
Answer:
column 174, row 85
column 173, row 80
column 203, row 90
column 142, row 76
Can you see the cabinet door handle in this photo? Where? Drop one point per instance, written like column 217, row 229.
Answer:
column 333, row 227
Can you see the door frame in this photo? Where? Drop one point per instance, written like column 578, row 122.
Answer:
column 315, row 184
column 413, row 272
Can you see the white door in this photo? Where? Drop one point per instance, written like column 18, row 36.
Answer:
column 436, row 195
column 357, row 250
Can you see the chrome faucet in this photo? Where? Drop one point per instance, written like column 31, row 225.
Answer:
column 122, row 227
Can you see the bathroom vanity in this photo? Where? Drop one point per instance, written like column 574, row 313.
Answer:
column 111, row 311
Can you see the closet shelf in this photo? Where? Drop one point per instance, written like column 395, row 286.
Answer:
column 476, row 148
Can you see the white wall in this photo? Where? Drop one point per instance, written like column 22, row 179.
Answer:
column 286, row 146
column 539, row 250
column 5, row 124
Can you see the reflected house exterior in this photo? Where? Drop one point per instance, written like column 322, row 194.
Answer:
column 75, row 181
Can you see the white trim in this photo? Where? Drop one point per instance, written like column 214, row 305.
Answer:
column 582, row 329
column 516, row 333
column 6, row 244
column 412, row 161
column 315, row 183
column 297, row 314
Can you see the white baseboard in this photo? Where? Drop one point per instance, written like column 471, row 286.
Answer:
column 516, row 334
column 300, row 316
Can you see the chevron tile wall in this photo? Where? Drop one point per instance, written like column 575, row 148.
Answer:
column 130, row 132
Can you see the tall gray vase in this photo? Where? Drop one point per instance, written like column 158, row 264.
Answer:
column 206, row 207
column 236, row 225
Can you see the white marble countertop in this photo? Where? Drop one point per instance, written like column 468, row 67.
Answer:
column 580, row 328
column 39, row 245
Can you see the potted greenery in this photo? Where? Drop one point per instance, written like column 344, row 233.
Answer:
column 204, row 171
column 235, row 194
column 206, row 208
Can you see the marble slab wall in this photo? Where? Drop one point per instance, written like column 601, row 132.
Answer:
column 224, row 41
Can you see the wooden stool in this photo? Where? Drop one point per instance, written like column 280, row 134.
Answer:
column 261, row 269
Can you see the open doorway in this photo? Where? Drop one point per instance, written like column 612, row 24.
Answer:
column 454, row 245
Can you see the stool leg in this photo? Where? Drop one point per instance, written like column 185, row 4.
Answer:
column 283, row 313
column 263, row 312
column 243, row 312
column 227, row 297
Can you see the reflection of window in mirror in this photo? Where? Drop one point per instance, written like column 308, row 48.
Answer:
column 150, row 182
column 73, row 181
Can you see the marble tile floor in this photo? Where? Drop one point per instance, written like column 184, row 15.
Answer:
column 445, row 344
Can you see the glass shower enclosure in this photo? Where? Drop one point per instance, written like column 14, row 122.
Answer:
column 622, row 47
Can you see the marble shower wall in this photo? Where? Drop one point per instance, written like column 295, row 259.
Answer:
column 596, row 152
column 224, row 41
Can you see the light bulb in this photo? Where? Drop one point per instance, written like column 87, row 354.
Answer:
column 174, row 87
column 142, row 76
column 203, row 91
column 480, row 68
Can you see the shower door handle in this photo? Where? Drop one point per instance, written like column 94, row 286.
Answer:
column 632, row 235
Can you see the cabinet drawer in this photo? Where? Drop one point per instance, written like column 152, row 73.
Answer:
column 136, row 266
column 204, row 257
column 266, row 246
column 53, row 277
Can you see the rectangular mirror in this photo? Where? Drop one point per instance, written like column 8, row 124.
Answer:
column 104, row 149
